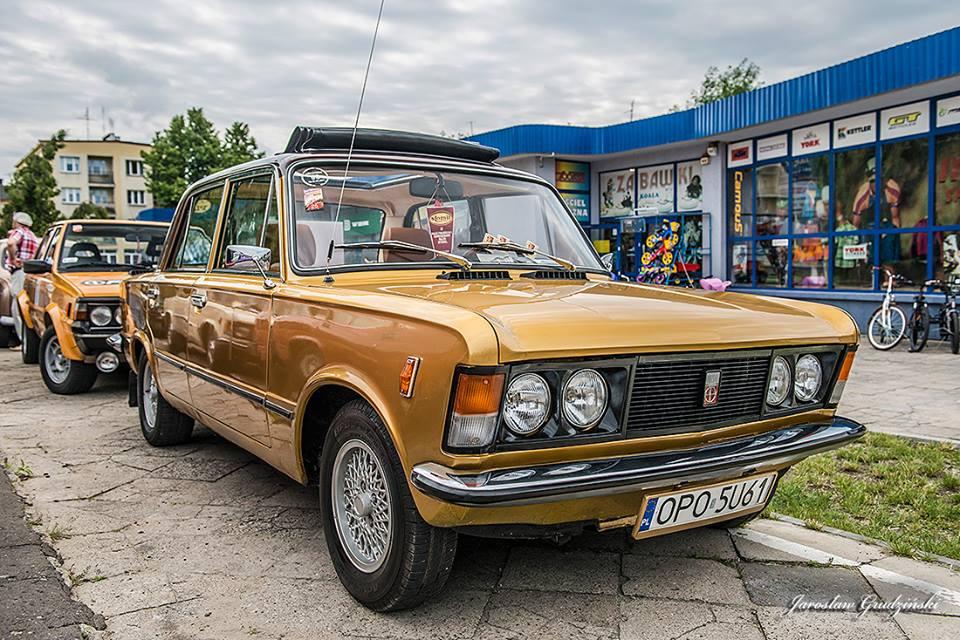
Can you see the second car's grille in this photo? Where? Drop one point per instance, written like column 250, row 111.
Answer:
column 668, row 393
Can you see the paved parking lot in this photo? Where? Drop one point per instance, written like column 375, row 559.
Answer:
column 202, row 541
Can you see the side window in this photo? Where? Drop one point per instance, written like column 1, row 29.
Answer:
column 253, row 222
column 46, row 244
column 197, row 239
column 47, row 252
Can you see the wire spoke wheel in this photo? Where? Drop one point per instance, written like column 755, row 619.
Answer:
column 886, row 327
column 362, row 509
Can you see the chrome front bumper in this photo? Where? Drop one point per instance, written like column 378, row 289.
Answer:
column 565, row 481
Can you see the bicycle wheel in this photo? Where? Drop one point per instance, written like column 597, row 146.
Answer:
column 953, row 320
column 886, row 330
column 919, row 329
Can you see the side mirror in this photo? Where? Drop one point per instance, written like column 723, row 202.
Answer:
column 242, row 257
column 36, row 266
column 607, row 260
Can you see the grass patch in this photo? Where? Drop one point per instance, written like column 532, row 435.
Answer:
column 903, row 492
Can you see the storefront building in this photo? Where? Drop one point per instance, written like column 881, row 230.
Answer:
column 809, row 188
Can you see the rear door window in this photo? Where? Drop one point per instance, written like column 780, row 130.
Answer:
column 196, row 241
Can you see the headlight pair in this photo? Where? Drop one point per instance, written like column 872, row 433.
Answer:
column 797, row 379
column 528, row 403
column 98, row 314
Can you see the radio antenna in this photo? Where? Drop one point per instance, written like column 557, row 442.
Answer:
column 356, row 123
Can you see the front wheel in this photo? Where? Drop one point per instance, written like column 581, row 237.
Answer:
column 62, row 375
column 919, row 328
column 385, row 554
column 886, row 328
column 954, row 323
column 161, row 423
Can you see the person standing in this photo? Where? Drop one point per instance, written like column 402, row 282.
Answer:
column 21, row 243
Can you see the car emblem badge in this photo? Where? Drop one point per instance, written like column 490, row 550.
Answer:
column 711, row 389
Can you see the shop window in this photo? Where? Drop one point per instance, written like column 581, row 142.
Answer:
column 904, row 201
column 906, row 254
column 740, row 263
column 811, row 194
column 740, row 201
column 948, row 180
column 771, row 262
column 852, row 257
column 810, row 263
column 947, row 245
column 772, row 198
column 855, row 185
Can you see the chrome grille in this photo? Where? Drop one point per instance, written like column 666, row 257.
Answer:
column 668, row 392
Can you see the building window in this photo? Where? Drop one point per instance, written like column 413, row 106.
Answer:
column 69, row 164
column 905, row 185
column 70, row 195
column 948, row 180
column 136, row 198
column 771, row 262
column 99, row 166
column 905, row 254
column 810, row 263
column 134, row 167
column 852, row 256
column 811, row 192
column 772, row 197
column 102, row 197
column 855, row 185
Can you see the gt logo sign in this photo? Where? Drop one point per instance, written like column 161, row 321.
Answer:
column 711, row 389
column 903, row 119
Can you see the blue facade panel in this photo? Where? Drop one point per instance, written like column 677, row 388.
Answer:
column 924, row 60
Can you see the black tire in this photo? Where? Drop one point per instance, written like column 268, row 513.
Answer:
column 876, row 333
column 954, row 320
column 170, row 425
column 29, row 346
column 919, row 329
column 78, row 377
column 418, row 557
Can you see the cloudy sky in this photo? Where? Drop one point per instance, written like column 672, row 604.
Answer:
column 440, row 65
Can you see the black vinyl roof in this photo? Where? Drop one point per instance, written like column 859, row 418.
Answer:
column 306, row 139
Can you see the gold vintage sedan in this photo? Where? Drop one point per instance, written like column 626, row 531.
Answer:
column 432, row 339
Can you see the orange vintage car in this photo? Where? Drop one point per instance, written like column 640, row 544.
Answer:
column 68, row 314
column 431, row 339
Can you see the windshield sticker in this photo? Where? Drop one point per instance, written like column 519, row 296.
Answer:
column 77, row 228
column 313, row 199
column 532, row 245
column 313, row 176
column 100, row 283
column 440, row 220
column 488, row 238
column 504, row 240
column 202, row 206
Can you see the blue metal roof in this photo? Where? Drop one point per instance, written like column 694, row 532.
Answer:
column 923, row 60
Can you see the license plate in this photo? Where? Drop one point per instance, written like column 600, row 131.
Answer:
column 702, row 504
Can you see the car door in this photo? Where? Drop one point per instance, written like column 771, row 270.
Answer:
column 171, row 293
column 231, row 321
column 39, row 287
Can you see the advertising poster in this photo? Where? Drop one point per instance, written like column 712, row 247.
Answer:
column 579, row 204
column 849, row 132
column 740, row 153
column 689, row 186
column 440, row 222
column 772, row 147
column 815, row 139
column 572, row 176
column 655, row 188
column 616, row 193
column 907, row 120
column 948, row 111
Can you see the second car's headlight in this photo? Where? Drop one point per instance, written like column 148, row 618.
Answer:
column 584, row 399
column 101, row 316
column 779, row 386
column 808, row 378
column 527, row 404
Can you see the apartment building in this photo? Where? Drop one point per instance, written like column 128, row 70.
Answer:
column 108, row 172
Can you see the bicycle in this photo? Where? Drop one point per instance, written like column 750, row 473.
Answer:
column 948, row 317
column 888, row 324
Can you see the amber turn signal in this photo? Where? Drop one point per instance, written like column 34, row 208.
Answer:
column 408, row 376
column 847, row 365
column 478, row 394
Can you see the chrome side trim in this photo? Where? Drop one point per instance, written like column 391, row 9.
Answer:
column 252, row 396
column 565, row 481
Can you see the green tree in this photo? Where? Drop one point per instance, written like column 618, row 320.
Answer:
column 238, row 145
column 189, row 149
column 718, row 84
column 33, row 187
column 88, row 211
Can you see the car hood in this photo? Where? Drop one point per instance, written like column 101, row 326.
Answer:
column 93, row 284
column 569, row 319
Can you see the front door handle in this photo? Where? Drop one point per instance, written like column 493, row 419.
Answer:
column 199, row 300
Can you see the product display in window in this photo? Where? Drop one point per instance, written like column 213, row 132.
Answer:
column 811, row 194
column 905, row 254
column 853, row 262
column 740, row 263
column 905, row 186
column 772, row 198
column 771, row 261
column 947, row 178
column 855, row 177
column 810, row 263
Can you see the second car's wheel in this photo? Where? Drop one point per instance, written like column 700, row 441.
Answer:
column 161, row 423
column 61, row 374
column 386, row 555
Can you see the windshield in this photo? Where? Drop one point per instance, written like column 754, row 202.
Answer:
column 108, row 247
column 438, row 210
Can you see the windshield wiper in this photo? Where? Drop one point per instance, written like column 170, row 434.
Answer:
column 519, row 249
column 460, row 261
column 93, row 263
column 142, row 267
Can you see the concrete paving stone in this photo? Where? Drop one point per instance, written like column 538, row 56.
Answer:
column 129, row 592
column 916, row 582
column 225, row 555
column 546, row 615
column 655, row 619
column 683, row 579
column 825, row 542
column 920, row 627
column 306, row 559
column 103, row 555
column 198, row 469
column 777, row 585
column 83, row 483
column 705, row 542
column 808, row 625
column 534, row 568
column 292, row 495
column 453, row 614
column 298, row 518
column 615, row 540
column 479, row 563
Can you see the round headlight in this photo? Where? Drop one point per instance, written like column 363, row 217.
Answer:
column 116, row 315
column 101, row 316
column 584, row 398
column 809, row 377
column 527, row 404
column 779, row 386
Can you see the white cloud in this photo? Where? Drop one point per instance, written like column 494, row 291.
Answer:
column 440, row 65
